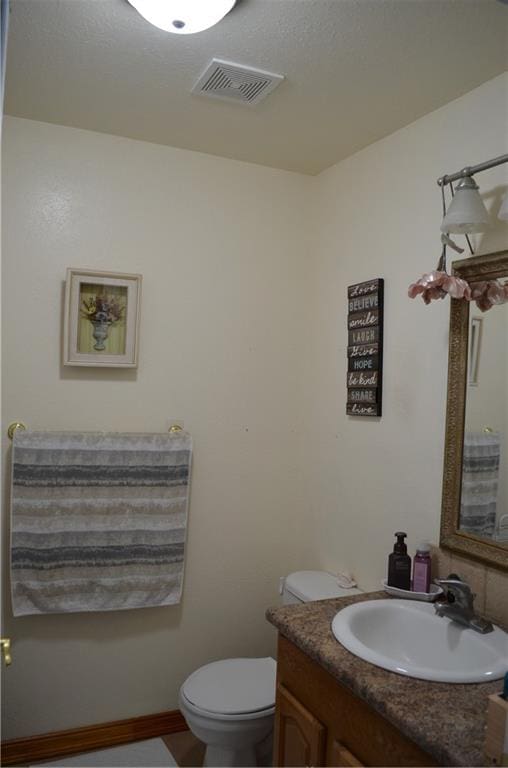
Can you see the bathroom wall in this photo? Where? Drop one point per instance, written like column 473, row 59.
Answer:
column 377, row 214
column 222, row 247
column 243, row 336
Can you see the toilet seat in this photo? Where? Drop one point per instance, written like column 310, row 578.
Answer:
column 185, row 704
column 232, row 688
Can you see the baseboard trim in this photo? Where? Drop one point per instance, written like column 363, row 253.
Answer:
column 61, row 743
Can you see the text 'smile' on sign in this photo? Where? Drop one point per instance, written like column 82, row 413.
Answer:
column 365, row 348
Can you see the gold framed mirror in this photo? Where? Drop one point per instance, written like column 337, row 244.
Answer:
column 474, row 511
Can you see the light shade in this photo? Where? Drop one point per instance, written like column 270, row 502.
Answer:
column 184, row 17
column 466, row 213
column 503, row 211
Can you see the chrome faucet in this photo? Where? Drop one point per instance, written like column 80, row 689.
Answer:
column 459, row 604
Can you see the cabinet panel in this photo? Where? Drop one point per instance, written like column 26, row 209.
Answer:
column 340, row 757
column 363, row 737
column 299, row 736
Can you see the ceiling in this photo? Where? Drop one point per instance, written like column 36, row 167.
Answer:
column 356, row 70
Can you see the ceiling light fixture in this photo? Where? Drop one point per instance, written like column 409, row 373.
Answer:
column 183, row 17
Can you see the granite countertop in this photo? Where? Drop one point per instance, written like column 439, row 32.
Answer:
column 446, row 720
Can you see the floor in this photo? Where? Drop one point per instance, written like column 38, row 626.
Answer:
column 186, row 749
column 180, row 749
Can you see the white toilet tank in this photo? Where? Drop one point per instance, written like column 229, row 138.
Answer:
column 305, row 586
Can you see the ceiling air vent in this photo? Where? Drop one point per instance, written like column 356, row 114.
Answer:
column 233, row 82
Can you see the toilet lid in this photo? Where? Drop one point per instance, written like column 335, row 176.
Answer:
column 316, row 585
column 233, row 686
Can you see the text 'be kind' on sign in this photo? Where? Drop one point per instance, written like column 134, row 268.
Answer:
column 365, row 348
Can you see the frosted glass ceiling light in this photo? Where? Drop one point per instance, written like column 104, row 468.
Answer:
column 184, row 17
column 466, row 212
column 503, row 211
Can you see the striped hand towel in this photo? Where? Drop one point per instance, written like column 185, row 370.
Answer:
column 98, row 520
column 480, row 477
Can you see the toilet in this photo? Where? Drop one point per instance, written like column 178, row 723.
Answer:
column 229, row 704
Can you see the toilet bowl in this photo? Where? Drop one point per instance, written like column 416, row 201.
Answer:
column 229, row 705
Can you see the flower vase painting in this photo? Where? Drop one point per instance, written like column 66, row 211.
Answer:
column 101, row 319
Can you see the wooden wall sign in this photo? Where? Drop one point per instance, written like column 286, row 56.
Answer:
column 365, row 348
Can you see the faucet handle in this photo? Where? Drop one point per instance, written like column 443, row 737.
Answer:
column 460, row 590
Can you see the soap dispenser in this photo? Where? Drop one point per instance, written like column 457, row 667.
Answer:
column 421, row 568
column 399, row 564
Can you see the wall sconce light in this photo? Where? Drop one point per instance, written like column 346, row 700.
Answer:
column 503, row 211
column 467, row 213
column 183, row 17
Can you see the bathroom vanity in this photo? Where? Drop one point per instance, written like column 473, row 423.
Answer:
column 335, row 709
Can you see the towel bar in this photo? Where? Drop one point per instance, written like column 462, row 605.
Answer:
column 5, row 645
column 11, row 429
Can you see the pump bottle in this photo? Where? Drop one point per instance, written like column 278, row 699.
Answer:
column 399, row 564
column 421, row 568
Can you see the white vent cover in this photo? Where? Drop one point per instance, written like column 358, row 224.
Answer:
column 234, row 82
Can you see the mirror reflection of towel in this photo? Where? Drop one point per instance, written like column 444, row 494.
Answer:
column 480, row 476
column 502, row 528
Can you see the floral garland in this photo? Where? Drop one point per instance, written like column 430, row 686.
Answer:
column 489, row 293
column 439, row 284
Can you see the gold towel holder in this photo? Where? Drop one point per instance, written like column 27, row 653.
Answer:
column 13, row 427
column 5, row 645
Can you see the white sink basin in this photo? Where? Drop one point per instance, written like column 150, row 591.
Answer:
column 408, row 638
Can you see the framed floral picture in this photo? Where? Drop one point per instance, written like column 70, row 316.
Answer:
column 101, row 319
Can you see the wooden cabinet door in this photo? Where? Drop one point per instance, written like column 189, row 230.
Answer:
column 300, row 738
column 340, row 757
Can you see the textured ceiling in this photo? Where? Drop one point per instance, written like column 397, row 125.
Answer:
column 356, row 70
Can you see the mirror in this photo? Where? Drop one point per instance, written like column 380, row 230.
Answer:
column 474, row 517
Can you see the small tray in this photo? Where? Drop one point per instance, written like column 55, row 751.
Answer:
column 407, row 594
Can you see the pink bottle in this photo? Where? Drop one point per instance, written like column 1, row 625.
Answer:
column 421, row 568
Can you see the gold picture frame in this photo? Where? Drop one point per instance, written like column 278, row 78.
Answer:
column 101, row 319
column 490, row 266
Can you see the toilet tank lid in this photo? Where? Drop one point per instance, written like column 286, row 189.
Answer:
column 316, row 585
column 233, row 686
